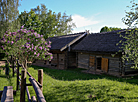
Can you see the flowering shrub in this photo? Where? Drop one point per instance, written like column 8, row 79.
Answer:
column 26, row 45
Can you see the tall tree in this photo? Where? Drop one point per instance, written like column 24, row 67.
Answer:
column 52, row 24
column 8, row 16
column 130, row 46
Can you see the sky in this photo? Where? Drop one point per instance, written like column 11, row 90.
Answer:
column 89, row 15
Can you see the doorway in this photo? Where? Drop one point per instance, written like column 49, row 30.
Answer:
column 99, row 60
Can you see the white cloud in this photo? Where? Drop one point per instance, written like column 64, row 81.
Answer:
column 81, row 21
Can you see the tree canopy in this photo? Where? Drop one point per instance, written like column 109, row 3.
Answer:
column 46, row 22
column 8, row 15
column 107, row 29
column 130, row 46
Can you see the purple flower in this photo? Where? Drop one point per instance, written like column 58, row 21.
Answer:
column 12, row 42
column 8, row 41
column 51, row 57
column 49, row 46
column 45, row 49
column 32, row 30
column 35, row 53
column 41, row 35
column 27, row 47
column 49, row 42
column 35, row 47
column 38, row 54
column 38, row 35
column 40, row 48
column 22, row 27
column 32, row 46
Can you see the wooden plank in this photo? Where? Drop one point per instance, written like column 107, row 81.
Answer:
column 104, row 64
column 7, row 95
column 38, row 91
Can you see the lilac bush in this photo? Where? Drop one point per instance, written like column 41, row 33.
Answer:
column 26, row 45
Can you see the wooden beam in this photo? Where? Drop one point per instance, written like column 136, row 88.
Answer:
column 38, row 91
column 40, row 78
column 73, row 41
column 7, row 95
column 17, row 84
column 23, row 86
column 28, row 94
column 33, row 99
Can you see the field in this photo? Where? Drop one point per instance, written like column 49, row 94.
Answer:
column 75, row 86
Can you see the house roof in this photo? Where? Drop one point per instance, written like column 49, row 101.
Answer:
column 100, row 42
column 61, row 41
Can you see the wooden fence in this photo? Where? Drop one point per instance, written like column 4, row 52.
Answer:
column 23, row 86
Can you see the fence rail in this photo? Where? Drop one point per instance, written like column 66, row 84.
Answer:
column 23, row 86
column 37, row 85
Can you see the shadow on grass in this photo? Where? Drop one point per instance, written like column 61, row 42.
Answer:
column 76, row 74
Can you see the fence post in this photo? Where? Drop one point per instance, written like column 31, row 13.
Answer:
column 23, row 86
column 17, row 87
column 40, row 78
column 13, row 66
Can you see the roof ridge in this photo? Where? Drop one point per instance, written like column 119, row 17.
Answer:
column 68, row 34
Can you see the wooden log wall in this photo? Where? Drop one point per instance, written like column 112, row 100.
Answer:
column 72, row 59
column 62, row 61
column 114, row 66
column 114, row 63
column 129, row 70
column 54, row 60
column 83, row 60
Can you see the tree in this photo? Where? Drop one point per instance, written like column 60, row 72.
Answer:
column 8, row 16
column 130, row 46
column 30, row 21
column 52, row 24
column 114, row 28
column 26, row 45
column 107, row 29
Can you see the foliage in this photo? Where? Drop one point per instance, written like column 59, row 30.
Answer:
column 8, row 16
column 30, row 21
column 46, row 22
column 74, row 86
column 130, row 46
column 26, row 45
column 9, row 13
column 107, row 29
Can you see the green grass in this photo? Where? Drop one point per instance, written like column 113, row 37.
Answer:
column 74, row 86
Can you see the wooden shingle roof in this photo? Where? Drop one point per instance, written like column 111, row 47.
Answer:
column 60, row 41
column 100, row 42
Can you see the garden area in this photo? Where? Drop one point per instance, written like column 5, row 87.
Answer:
column 74, row 86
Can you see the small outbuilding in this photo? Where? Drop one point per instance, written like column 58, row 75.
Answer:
column 97, row 52
column 61, row 48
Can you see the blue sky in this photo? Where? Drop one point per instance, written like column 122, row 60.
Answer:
column 87, row 14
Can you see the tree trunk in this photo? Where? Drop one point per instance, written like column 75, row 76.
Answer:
column 25, row 64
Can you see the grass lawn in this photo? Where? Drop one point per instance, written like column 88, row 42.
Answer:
column 74, row 86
